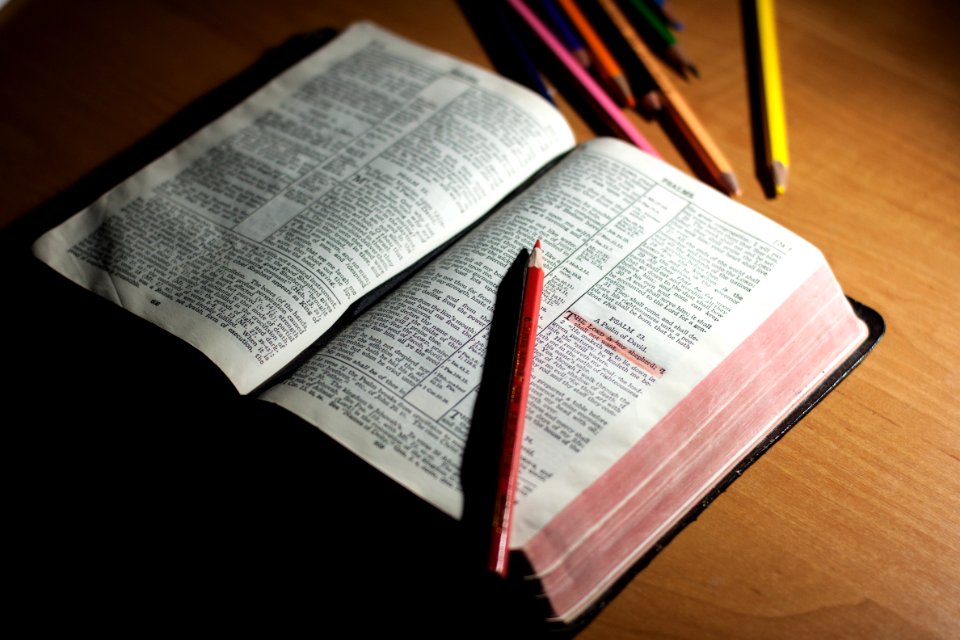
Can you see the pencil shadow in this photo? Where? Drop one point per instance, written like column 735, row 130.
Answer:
column 479, row 471
column 515, row 598
column 751, row 57
column 498, row 36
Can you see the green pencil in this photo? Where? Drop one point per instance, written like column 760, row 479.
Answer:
column 660, row 38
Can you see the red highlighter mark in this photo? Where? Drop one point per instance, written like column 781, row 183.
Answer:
column 613, row 344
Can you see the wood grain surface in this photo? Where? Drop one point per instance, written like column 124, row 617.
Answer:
column 850, row 526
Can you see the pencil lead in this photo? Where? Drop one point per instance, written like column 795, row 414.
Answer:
column 652, row 101
column 624, row 87
column 680, row 62
column 583, row 57
column 729, row 180
column 779, row 177
column 536, row 256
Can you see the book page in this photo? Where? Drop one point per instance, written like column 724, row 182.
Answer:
column 252, row 237
column 652, row 279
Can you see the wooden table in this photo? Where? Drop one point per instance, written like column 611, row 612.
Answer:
column 850, row 526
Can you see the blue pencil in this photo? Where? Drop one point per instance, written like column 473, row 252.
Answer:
column 566, row 33
column 503, row 45
column 530, row 73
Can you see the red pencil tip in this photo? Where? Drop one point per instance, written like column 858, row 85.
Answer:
column 537, row 245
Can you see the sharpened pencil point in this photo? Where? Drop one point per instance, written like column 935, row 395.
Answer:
column 730, row 183
column 779, row 177
column 536, row 256
column 652, row 101
column 624, row 87
column 678, row 60
column 583, row 57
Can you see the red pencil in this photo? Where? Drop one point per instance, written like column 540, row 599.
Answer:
column 516, row 411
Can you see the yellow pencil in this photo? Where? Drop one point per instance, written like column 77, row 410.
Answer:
column 775, row 131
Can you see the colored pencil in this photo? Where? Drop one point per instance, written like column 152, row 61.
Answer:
column 605, row 64
column 677, row 109
column 660, row 38
column 775, row 122
column 640, row 80
column 503, row 45
column 567, row 34
column 593, row 92
column 516, row 413
column 659, row 7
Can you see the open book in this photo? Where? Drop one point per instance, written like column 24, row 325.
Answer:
column 352, row 203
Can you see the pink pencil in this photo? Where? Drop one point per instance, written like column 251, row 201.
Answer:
column 619, row 121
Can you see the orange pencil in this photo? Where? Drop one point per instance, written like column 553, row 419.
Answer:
column 677, row 109
column 606, row 65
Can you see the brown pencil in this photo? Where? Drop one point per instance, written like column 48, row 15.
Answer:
column 677, row 109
